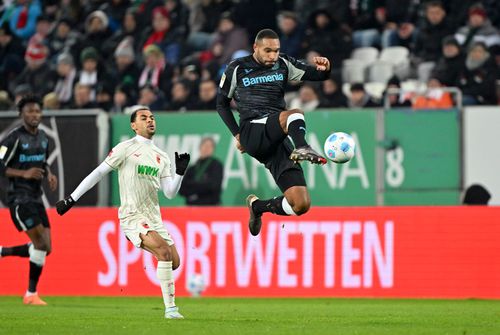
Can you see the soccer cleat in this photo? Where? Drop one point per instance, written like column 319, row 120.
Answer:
column 33, row 300
column 173, row 313
column 307, row 153
column 255, row 221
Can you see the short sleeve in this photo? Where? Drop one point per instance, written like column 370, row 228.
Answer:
column 116, row 156
column 227, row 83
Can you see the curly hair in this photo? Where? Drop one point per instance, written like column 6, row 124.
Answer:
column 28, row 99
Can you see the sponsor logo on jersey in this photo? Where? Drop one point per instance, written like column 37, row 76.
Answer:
column 262, row 79
column 25, row 145
column 31, row 158
column 147, row 170
column 145, row 225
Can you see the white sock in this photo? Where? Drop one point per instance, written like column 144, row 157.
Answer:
column 28, row 293
column 166, row 278
column 1, row 251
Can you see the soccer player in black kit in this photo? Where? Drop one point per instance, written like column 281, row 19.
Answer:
column 257, row 84
column 23, row 160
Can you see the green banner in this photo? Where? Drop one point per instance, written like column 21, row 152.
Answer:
column 330, row 185
column 424, row 168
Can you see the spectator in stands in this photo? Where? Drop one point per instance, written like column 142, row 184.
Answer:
column 63, row 39
column 368, row 24
column 230, row 37
column 124, row 69
column 42, row 30
column 157, row 72
column 359, row 98
column 331, row 94
column 104, row 96
column 202, row 183
column 67, row 79
column 207, row 95
column 152, row 97
column 325, row 36
column 21, row 16
column 449, row 66
column 478, row 29
column 20, row 91
column 50, row 102
column 181, row 97
column 129, row 28
column 90, row 74
column 255, row 15
column 82, row 97
column 477, row 79
column 11, row 59
column 291, row 34
column 436, row 27
column 115, row 11
column 399, row 99
column 162, row 34
column 434, row 97
column 307, row 99
column 121, row 99
column 96, row 32
column 38, row 73
column 5, row 102
column 179, row 17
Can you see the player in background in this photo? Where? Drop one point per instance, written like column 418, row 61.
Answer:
column 143, row 169
column 23, row 160
column 257, row 85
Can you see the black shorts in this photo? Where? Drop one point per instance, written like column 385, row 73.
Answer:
column 29, row 215
column 268, row 143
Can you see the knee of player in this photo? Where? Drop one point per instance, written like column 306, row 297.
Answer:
column 163, row 253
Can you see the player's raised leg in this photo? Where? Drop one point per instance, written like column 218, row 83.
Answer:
column 168, row 260
column 295, row 201
column 293, row 123
column 38, row 251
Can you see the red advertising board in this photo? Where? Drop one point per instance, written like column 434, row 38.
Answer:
column 442, row 252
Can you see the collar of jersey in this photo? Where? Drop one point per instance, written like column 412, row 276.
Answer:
column 142, row 139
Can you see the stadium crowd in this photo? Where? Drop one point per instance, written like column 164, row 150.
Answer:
column 170, row 54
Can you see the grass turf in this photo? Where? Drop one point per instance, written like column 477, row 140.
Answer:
column 104, row 315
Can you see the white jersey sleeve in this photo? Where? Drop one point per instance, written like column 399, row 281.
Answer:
column 166, row 171
column 117, row 155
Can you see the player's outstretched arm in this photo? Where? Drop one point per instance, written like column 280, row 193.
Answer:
column 170, row 186
column 62, row 206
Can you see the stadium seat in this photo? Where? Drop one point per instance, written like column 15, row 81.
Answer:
column 366, row 54
column 380, row 72
column 353, row 70
column 346, row 89
column 412, row 85
column 375, row 89
column 399, row 57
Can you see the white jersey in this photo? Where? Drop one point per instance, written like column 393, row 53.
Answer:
column 140, row 166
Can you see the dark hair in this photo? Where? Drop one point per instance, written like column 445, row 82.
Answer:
column 434, row 3
column 28, row 99
column 136, row 109
column 266, row 33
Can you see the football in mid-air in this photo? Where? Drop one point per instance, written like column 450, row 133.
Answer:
column 196, row 285
column 340, row 147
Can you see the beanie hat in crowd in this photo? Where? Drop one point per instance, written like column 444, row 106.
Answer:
column 451, row 40
column 65, row 58
column 35, row 52
column 89, row 53
column 97, row 14
column 477, row 10
column 161, row 10
column 152, row 49
column 125, row 48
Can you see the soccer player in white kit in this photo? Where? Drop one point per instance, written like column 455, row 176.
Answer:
column 143, row 169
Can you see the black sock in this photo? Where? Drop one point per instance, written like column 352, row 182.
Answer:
column 297, row 131
column 273, row 205
column 18, row 250
column 35, row 272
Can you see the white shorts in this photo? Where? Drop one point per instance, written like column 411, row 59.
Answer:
column 140, row 225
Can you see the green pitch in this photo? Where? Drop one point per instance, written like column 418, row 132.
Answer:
column 109, row 316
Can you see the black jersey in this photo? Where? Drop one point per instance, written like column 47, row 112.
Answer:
column 259, row 90
column 22, row 150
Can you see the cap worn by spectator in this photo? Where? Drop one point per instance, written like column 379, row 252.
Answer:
column 89, row 53
column 65, row 58
column 125, row 48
